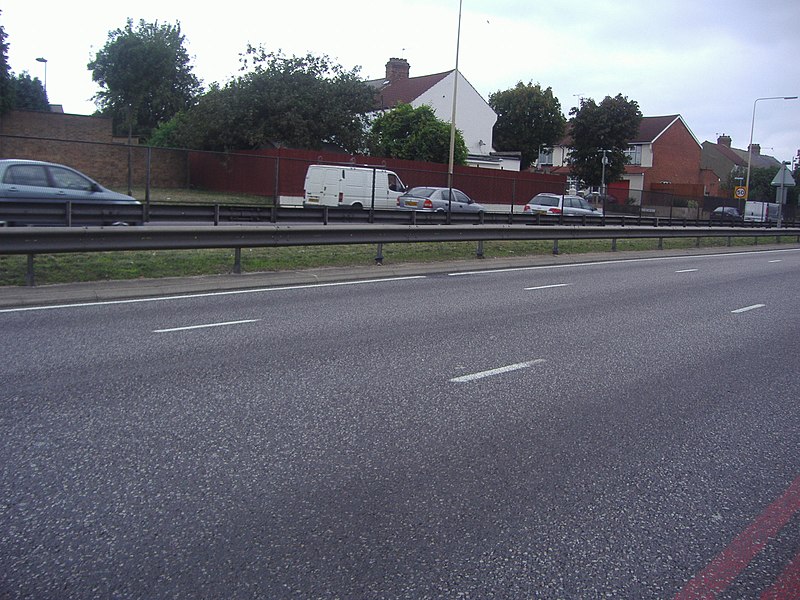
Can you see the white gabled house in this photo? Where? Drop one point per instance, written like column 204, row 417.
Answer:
column 474, row 117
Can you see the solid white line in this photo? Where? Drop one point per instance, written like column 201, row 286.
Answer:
column 545, row 287
column 622, row 260
column 498, row 371
column 206, row 326
column 687, row 270
column 208, row 294
column 778, row 260
column 746, row 308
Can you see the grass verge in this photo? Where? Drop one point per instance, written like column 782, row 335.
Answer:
column 99, row 266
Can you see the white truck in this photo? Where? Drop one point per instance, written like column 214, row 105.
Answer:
column 761, row 212
column 331, row 185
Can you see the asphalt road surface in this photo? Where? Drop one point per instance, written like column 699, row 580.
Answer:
column 610, row 430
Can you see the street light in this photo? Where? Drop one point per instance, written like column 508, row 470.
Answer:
column 44, row 60
column 453, row 117
column 750, row 145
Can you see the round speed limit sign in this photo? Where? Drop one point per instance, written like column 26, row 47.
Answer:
column 740, row 192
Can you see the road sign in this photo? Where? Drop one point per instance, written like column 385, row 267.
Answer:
column 740, row 192
column 783, row 178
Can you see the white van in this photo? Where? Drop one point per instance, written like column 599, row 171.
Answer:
column 761, row 212
column 331, row 185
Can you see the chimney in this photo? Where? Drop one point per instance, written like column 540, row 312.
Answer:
column 755, row 149
column 396, row 69
column 724, row 140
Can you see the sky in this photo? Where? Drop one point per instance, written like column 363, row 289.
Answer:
column 707, row 60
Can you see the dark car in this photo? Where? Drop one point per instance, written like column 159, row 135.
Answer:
column 438, row 199
column 598, row 199
column 726, row 214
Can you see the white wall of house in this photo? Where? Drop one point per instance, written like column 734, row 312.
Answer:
column 474, row 117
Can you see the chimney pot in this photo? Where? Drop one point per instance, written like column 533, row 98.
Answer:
column 396, row 69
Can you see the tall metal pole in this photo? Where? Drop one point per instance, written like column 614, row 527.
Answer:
column 41, row 59
column 750, row 145
column 453, row 114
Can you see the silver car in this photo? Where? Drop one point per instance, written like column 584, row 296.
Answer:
column 30, row 180
column 438, row 199
column 556, row 204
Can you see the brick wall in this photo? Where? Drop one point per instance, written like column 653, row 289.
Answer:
column 86, row 143
column 676, row 158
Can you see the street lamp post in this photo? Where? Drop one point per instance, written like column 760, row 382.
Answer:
column 453, row 117
column 41, row 59
column 750, row 145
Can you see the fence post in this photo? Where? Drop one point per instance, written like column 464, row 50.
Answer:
column 237, row 261
column 29, row 280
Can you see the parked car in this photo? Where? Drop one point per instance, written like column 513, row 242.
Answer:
column 598, row 198
column 556, row 204
column 727, row 214
column 437, row 199
column 37, row 181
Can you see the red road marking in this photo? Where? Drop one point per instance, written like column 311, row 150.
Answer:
column 729, row 563
column 787, row 587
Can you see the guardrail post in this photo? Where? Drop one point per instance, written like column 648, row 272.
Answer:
column 660, row 243
column 697, row 243
column 413, row 217
column 237, row 261
column 555, row 247
column 216, row 214
column 379, row 255
column 613, row 244
column 69, row 213
column 729, row 241
column 479, row 252
column 29, row 280
column 324, row 215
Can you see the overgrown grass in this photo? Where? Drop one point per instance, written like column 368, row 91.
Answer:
column 98, row 266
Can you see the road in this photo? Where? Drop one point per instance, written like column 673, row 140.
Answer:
column 624, row 429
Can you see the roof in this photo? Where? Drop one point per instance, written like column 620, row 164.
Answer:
column 405, row 90
column 740, row 157
column 650, row 129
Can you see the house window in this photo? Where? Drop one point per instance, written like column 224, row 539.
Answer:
column 634, row 154
column 546, row 156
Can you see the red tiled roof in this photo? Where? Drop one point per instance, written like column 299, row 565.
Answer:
column 649, row 129
column 404, row 90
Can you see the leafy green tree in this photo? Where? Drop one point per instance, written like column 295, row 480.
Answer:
column 762, row 190
column 144, row 76
column 609, row 125
column 528, row 118
column 29, row 93
column 6, row 85
column 415, row 134
column 302, row 102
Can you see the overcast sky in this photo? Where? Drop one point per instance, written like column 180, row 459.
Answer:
column 707, row 60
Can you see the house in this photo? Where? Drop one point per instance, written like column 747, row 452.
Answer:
column 664, row 156
column 729, row 164
column 474, row 117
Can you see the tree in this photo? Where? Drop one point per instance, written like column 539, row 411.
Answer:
column 302, row 102
column 29, row 93
column 528, row 118
column 6, row 84
column 144, row 76
column 609, row 125
column 762, row 190
column 415, row 134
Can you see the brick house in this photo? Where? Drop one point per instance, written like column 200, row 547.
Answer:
column 729, row 163
column 665, row 156
column 474, row 117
